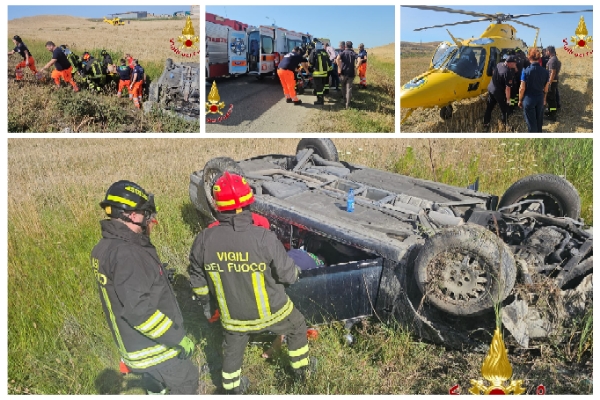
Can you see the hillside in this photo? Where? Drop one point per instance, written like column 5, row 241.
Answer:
column 146, row 39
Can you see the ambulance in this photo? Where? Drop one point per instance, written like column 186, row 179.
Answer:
column 267, row 45
column 226, row 47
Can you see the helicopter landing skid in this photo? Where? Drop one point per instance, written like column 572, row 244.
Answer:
column 410, row 111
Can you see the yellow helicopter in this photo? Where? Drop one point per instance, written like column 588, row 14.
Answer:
column 463, row 69
column 114, row 22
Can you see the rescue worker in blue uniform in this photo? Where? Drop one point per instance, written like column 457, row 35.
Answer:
column 124, row 72
column 321, row 66
column 286, row 70
column 499, row 90
column 532, row 93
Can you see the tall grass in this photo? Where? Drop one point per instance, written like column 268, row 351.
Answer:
column 59, row 341
column 36, row 107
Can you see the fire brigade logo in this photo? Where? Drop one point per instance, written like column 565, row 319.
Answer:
column 238, row 47
column 580, row 41
column 188, row 41
column 214, row 105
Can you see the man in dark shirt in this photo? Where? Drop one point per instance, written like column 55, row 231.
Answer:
column 287, row 74
column 63, row 68
column 553, row 67
column 346, row 63
column 499, row 90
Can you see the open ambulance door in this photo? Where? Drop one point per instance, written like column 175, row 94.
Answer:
column 238, row 51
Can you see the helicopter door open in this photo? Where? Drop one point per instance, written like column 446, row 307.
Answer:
column 442, row 54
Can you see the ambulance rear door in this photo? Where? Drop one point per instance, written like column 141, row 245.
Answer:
column 238, row 52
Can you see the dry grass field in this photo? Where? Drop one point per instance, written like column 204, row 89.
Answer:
column 58, row 340
column 576, row 94
column 147, row 40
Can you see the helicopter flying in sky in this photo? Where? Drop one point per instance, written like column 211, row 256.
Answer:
column 462, row 69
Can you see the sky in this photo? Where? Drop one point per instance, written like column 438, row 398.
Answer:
column 88, row 11
column 553, row 28
column 372, row 25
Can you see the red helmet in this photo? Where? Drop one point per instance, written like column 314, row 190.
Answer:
column 232, row 192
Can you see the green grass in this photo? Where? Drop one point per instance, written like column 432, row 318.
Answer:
column 58, row 338
column 36, row 107
column 372, row 110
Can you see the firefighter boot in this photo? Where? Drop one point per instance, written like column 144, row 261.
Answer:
column 320, row 100
column 297, row 102
column 242, row 388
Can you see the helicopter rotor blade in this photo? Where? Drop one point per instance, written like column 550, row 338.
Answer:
column 546, row 13
column 523, row 23
column 453, row 11
column 454, row 23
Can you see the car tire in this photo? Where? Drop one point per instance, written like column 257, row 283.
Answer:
column 560, row 196
column 464, row 270
column 323, row 147
column 213, row 169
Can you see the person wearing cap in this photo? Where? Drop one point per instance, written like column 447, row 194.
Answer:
column 28, row 60
column 362, row 65
column 532, row 93
column 553, row 67
column 499, row 90
column 137, row 298
column 244, row 268
column 346, row 64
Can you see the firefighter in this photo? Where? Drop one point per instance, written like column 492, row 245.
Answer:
column 72, row 57
column 124, row 73
column 138, row 301
column 362, row 65
column 319, row 61
column 28, row 60
column 63, row 68
column 137, row 80
column 245, row 267
column 286, row 72
column 92, row 70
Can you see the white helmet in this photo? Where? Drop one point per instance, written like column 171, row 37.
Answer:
column 319, row 46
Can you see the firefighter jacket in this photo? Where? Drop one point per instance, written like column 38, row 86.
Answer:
column 319, row 60
column 244, row 267
column 138, row 301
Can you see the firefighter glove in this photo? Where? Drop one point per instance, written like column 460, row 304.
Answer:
column 187, row 347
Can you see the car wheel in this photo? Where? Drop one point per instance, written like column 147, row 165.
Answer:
column 323, row 147
column 213, row 169
column 465, row 270
column 559, row 196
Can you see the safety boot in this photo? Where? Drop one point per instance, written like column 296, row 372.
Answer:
column 297, row 102
column 289, row 101
column 242, row 388
column 320, row 100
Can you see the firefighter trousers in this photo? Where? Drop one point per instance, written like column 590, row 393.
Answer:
column 319, row 82
column 288, row 82
column 551, row 98
column 176, row 375
column 234, row 344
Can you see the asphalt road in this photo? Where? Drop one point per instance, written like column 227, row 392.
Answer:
column 259, row 106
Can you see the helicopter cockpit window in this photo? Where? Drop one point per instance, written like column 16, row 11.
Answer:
column 494, row 57
column 468, row 62
column 442, row 54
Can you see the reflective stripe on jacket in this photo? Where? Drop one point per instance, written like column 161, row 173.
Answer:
column 244, row 267
column 138, row 301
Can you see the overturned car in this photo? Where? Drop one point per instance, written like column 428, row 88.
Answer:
column 434, row 257
column 177, row 90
